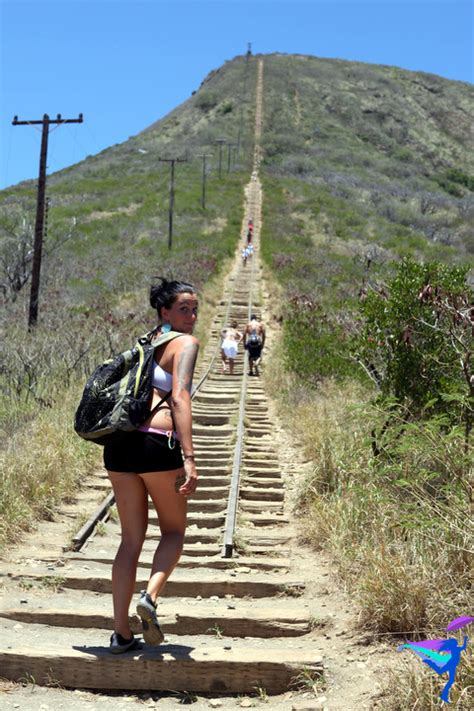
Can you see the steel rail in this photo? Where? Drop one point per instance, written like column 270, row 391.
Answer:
column 233, row 501
column 99, row 514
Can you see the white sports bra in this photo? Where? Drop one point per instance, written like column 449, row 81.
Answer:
column 161, row 380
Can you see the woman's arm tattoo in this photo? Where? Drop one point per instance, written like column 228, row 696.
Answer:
column 186, row 363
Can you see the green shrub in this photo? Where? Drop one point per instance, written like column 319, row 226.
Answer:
column 207, row 100
column 455, row 175
column 416, row 340
column 226, row 107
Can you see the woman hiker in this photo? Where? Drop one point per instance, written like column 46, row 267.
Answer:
column 229, row 347
column 156, row 460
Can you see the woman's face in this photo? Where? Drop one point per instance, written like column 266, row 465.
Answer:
column 182, row 314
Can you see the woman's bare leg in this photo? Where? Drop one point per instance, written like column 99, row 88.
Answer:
column 132, row 505
column 224, row 361
column 231, row 366
column 171, row 508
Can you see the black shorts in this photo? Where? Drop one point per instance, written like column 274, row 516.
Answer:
column 255, row 351
column 141, row 452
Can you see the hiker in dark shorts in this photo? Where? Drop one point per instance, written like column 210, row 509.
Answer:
column 254, row 339
column 156, row 461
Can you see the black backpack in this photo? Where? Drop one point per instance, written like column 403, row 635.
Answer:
column 116, row 397
column 254, row 338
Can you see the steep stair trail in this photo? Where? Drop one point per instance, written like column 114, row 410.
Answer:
column 232, row 624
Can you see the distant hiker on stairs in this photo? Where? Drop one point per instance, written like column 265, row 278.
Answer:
column 229, row 347
column 254, row 336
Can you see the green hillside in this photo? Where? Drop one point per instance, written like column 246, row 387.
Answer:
column 363, row 162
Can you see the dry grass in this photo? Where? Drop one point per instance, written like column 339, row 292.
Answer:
column 41, row 465
column 416, row 688
column 397, row 528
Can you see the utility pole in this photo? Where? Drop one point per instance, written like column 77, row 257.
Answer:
column 46, row 215
column 203, row 199
column 221, row 142
column 171, row 161
column 40, row 211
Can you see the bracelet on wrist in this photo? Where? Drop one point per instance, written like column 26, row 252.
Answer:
column 188, row 456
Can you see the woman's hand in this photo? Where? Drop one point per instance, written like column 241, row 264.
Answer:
column 190, row 484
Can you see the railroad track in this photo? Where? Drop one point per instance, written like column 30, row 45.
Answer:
column 231, row 611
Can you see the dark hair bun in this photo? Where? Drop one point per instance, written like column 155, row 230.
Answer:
column 165, row 293
column 156, row 293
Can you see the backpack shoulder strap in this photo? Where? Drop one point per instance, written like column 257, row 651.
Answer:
column 151, row 338
column 165, row 338
column 156, row 342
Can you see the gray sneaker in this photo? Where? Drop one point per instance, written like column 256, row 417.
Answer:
column 119, row 645
column 146, row 609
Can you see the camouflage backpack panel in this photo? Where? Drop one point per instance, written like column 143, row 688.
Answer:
column 117, row 395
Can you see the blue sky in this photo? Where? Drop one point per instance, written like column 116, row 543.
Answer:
column 125, row 64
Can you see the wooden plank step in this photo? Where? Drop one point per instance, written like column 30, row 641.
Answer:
column 208, row 398
column 216, row 505
column 210, row 419
column 219, row 584
column 255, row 470
column 214, row 449
column 216, row 386
column 212, row 432
column 214, row 536
column 98, row 543
column 256, row 506
column 198, row 549
column 258, row 431
column 238, row 670
column 261, row 494
column 264, row 520
column 208, row 477
column 255, row 550
column 263, row 474
column 257, row 482
column 212, row 470
column 268, row 538
column 177, row 619
column 222, row 461
column 214, row 562
column 260, row 462
column 197, row 518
